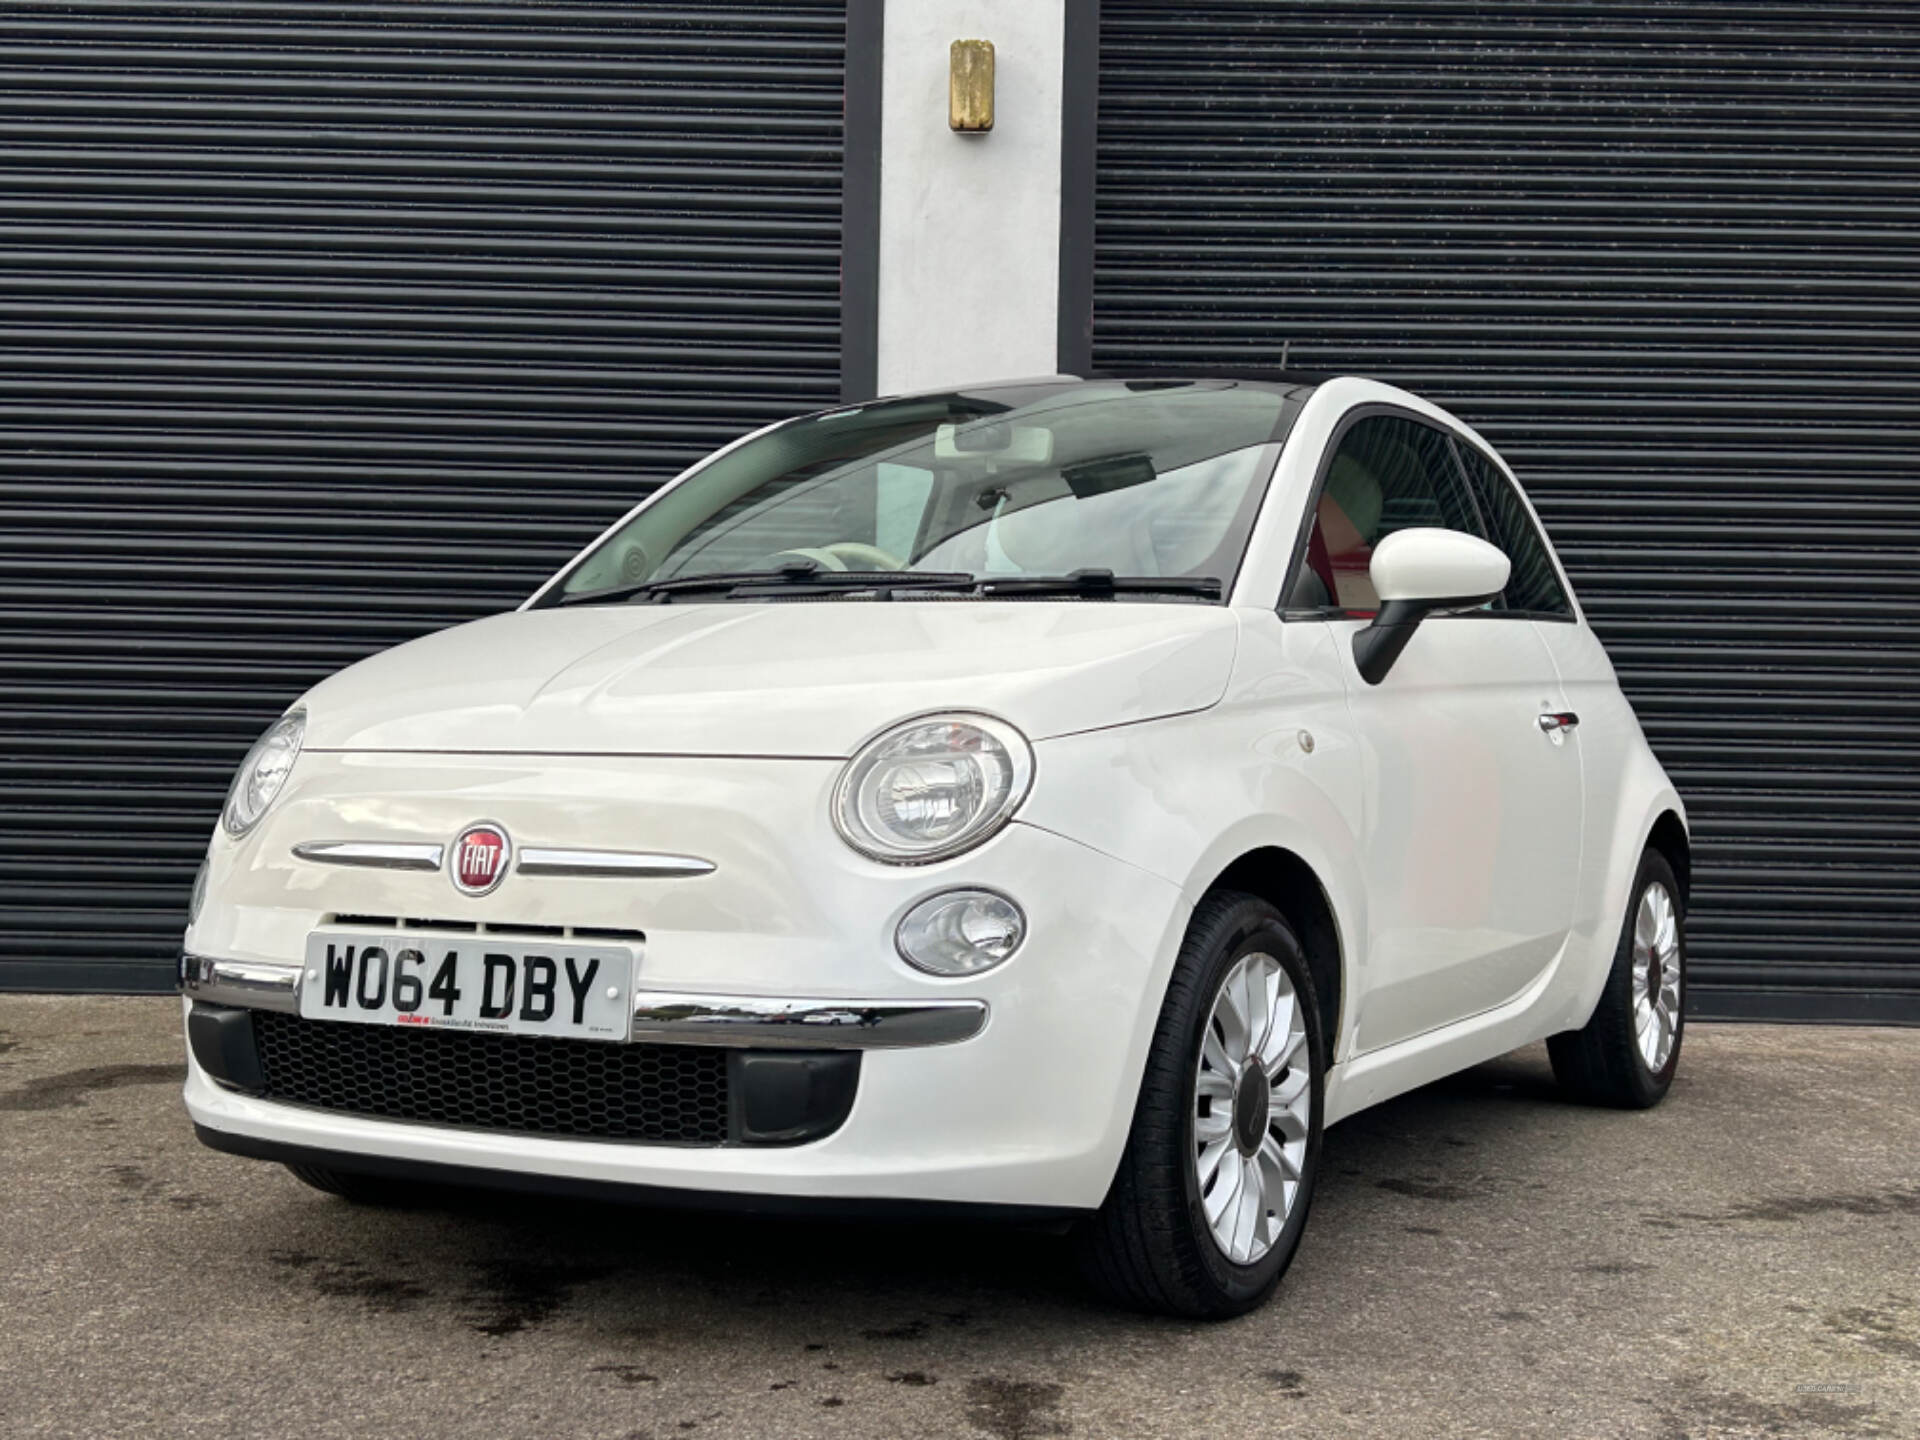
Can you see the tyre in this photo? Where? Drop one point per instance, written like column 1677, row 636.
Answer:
column 1212, row 1192
column 1627, row 1053
column 358, row 1188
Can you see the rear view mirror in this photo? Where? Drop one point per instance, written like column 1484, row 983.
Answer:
column 995, row 440
column 1417, row 573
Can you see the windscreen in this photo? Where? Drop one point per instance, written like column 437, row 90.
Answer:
column 1142, row 479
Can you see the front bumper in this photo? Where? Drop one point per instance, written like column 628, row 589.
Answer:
column 787, row 944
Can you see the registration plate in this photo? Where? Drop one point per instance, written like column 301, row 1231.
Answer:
column 519, row 987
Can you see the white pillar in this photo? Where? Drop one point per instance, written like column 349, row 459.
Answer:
column 969, row 283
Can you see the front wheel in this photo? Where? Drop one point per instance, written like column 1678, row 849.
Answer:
column 1211, row 1196
column 1626, row 1054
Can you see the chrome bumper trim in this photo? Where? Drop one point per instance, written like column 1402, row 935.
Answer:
column 250, row 984
column 382, row 855
column 772, row 1023
column 663, row 1017
column 536, row 860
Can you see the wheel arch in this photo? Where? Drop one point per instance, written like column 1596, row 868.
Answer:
column 1669, row 837
column 1649, row 813
column 1288, row 883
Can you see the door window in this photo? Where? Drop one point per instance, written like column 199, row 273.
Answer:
column 1388, row 473
column 1534, row 587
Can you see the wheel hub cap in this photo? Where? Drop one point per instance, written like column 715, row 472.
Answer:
column 1252, row 1104
column 1253, row 1094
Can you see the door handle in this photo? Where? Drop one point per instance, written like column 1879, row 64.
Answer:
column 1555, row 722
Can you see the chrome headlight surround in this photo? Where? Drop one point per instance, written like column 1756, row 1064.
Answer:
column 261, row 775
column 932, row 787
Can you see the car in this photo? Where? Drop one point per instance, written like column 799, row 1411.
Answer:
column 1057, row 800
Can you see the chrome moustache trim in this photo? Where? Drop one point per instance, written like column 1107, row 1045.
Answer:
column 379, row 856
column 663, row 1017
column 531, row 860
column 535, row 860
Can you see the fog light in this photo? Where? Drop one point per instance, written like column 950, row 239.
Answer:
column 961, row 932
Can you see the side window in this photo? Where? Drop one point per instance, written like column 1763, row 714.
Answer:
column 1534, row 587
column 1387, row 473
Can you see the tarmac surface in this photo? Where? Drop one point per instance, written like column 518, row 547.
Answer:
column 1483, row 1259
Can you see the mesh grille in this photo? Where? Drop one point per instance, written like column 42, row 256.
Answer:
column 675, row 1094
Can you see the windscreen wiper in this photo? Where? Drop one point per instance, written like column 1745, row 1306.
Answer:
column 806, row 578
column 802, row 578
column 1100, row 583
column 720, row 580
column 828, row 582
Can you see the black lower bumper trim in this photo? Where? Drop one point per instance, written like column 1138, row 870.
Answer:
column 519, row 1085
column 425, row 1172
column 222, row 1043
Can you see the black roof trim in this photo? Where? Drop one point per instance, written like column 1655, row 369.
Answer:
column 1295, row 379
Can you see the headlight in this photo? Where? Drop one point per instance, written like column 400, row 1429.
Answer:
column 263, row 772
column 932, row 787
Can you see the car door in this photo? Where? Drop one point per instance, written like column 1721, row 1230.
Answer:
column 1472, row 809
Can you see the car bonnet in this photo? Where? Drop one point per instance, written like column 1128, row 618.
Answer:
column 774, row 679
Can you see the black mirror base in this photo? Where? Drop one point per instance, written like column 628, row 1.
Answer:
column 1379, row 645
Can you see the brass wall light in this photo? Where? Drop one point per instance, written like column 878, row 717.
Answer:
column 970, row 87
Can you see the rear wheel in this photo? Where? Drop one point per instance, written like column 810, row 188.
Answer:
column 1627, row 1053
column 1212, row 1192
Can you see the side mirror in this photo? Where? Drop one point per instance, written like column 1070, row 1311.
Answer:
column 1417, row 573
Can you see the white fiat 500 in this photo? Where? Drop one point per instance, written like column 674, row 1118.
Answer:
column 1058, row 798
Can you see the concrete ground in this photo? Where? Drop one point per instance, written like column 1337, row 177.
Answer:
column 1483, row 1259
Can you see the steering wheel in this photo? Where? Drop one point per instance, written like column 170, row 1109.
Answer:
column 842, row 555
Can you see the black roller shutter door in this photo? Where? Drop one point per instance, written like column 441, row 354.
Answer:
column 324, row 325
column 1667, row 257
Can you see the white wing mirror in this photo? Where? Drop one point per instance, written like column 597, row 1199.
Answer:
column 1417, row 573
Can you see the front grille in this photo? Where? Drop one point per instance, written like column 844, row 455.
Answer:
column 660, row 1094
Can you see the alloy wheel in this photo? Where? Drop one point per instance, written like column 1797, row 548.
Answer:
column 1656, row 976
column 1252, row 1095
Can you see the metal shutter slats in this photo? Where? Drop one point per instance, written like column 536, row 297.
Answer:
column 324, row 325
column 1667, row 257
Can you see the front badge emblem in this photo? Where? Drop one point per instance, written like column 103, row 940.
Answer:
column 480, row 854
